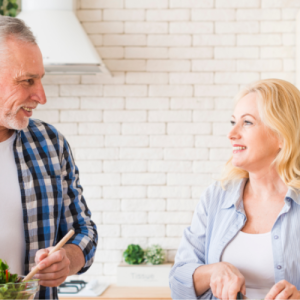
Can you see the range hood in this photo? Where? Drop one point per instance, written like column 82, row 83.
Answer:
column 65, row 46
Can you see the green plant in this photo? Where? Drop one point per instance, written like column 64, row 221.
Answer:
column 5, row 275
column 154, row 255
column 134, row 254
column 8, row 8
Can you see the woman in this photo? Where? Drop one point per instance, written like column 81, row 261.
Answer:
column 245, row 232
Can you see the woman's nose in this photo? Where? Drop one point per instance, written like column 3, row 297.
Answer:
column 233, row 133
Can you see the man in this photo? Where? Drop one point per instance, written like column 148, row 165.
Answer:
column 40, row 194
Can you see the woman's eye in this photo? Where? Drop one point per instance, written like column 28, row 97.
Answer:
column 247, row 122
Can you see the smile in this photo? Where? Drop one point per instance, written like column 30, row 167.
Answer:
column 27, row 108
column 239, row 148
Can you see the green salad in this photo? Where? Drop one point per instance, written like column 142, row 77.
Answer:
column 12, row 286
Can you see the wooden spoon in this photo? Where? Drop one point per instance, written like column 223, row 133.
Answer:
column 57, row 247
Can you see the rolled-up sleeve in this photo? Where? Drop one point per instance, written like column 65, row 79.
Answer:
column 75, row 213
column 190, row 255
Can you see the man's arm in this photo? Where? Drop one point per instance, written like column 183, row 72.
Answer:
column 78, row 254
column 75, row 213
column 76, row 258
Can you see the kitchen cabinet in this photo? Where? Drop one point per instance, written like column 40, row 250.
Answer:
column 115, row 292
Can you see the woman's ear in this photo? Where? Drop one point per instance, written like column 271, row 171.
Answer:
column 280, row 143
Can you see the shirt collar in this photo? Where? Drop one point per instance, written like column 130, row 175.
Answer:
column 236, row 191
column 293, row 194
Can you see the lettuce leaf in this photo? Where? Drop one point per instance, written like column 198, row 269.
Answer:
column 11, row 285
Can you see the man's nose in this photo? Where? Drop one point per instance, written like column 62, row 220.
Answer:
column 38, row 93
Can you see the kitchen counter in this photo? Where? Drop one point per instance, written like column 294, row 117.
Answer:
column 137, row 293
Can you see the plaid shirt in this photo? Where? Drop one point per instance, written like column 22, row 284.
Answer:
column 51, row 195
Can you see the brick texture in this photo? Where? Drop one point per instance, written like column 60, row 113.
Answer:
column 149, row 139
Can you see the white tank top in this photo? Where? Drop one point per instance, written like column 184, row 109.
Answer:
column 252, row 255
column 12, row 238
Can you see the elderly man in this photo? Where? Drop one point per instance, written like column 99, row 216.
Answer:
column 40, row 194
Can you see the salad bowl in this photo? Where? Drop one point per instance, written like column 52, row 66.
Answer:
column 19, row 289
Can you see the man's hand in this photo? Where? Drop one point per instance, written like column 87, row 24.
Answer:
column 53, row 269
column 283, row 290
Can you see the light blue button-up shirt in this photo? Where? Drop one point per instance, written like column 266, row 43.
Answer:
column 218, row 217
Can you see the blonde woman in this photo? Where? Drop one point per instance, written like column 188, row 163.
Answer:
column 245, row 232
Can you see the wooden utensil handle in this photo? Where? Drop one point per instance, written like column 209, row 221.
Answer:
column 56, row 248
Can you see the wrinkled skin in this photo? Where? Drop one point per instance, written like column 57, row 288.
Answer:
column 21, row 72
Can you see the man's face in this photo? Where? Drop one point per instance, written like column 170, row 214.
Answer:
column 21, row 88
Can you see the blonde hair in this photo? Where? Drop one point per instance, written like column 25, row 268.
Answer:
column 279, row 109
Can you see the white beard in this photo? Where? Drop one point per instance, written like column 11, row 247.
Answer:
column 10, row 121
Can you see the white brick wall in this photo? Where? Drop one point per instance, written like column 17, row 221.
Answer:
column 150, row 139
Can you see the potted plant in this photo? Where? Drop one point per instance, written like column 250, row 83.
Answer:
column 143, row 267
column 154, row 255
column 134, row 254
column 8, row 8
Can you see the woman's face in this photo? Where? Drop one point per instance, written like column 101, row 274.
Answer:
column 259, row 144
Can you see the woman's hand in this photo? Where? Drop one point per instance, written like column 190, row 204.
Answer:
column 283, row 290
column 226, row 281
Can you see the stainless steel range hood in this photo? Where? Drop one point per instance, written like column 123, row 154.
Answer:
column 65, row 46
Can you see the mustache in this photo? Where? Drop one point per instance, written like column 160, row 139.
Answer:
column 7, row 110
column 33, row 105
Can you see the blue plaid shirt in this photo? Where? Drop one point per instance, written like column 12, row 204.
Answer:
column 51, row 195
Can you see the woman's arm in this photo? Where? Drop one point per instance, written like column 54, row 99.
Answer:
column 201, row 278
column 191, row 276
column 191, row 253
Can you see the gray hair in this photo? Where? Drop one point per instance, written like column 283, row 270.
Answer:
column 15, row 28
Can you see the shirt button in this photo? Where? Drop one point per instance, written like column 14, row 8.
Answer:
column 276, row 237
column 278, row 267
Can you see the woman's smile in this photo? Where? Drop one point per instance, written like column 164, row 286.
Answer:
column 238, row 148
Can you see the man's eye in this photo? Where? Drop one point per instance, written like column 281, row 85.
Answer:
column 29, row 81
